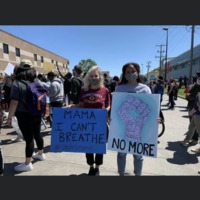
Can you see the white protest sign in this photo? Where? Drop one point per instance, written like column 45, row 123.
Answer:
column 9, row 69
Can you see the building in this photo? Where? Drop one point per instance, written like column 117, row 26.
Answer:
column 13, row 49
column 180, row 66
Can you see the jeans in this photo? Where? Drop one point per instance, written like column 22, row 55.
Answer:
column 137, row 163
column 194, row 125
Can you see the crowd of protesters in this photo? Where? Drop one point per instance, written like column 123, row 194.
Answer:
column 73, row 91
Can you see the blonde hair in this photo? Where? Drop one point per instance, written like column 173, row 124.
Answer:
column 87, row 77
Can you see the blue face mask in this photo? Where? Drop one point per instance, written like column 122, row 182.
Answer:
column 131, row 76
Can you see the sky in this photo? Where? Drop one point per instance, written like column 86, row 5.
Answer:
column 110, row 46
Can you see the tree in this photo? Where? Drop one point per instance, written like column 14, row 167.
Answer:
column 87, row 64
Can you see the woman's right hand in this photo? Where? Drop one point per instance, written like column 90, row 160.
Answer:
column 9, row 121
column 70, row 106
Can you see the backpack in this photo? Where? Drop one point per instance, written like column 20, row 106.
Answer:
column 159, row 89
column 36, row 98
column 80, row 80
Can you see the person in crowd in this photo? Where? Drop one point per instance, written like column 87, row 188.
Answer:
column 76, row 84
column 93, row 95
column 29, row 124
column 56, row 92
column 180, row 80
column 106, row 81
column 43, row 81
column 151, row 84
column 194, row 124
column 67, row 85
column 185, row 81
column 15, row 125
column 171, row 94
column 159, row 88
column 176, row 88
column 190, row 97
column 7, row 88
column 115, row 81
column 131, row 83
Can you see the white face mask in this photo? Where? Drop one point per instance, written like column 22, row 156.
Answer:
column 131, row 76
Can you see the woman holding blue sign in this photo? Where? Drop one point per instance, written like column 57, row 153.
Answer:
column 130, row 83
column 93, row 95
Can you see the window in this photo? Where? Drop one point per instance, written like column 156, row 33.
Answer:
column 5, row 48
column 35, row 57
column 52, row 61
column 42, row 59
column 57, row 63
column 17, row 50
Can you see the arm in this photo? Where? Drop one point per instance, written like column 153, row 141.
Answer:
column 79, row 105
column 60, row 73
column 11, row 111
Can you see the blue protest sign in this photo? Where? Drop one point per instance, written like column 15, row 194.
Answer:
column 79, row 130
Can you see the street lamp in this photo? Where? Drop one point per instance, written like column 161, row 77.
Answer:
column 166, row 29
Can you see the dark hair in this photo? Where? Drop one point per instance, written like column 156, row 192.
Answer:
column 137, row 67
column 42, row 77
column 51, row 75
column 78, row 69
column 68, row 75
column 115, row 78
column 24, row 74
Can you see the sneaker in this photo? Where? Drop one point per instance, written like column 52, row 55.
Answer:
column 193, row 142
column 125, row 174
column 23, row 167
column 37, row 156
column 17, row 139
column 184, row 143
column 96, row 172
column 196, row 150
column 91, row 171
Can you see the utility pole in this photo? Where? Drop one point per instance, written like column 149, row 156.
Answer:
column 166, row 29
column 148, row 66
column 191, row 53
column 161, row 56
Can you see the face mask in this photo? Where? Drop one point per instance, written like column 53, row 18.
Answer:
column 131, row 76
column 94, row 81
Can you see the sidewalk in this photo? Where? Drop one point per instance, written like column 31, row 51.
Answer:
column 173, row 159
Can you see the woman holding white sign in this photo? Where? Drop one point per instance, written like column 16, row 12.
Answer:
column 93, row 95
column 130, row 83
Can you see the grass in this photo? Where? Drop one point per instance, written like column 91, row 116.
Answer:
column 180, row 92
